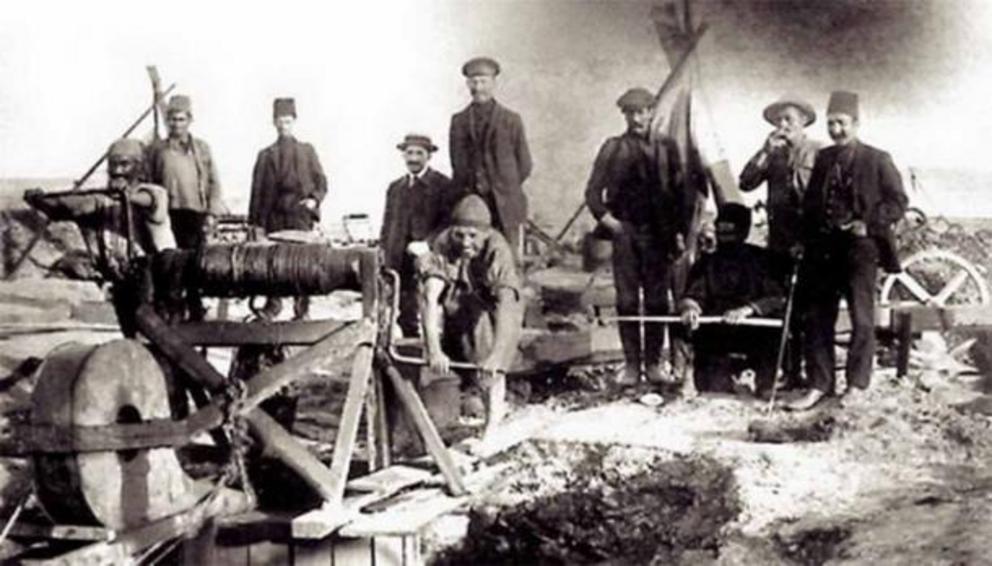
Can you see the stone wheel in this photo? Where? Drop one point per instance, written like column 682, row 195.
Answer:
column 936, row 278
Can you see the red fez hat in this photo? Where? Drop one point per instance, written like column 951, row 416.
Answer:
column 284, row 107
column 180, row 103
column 418, row 140
column 772, row 110
column 843, row 102
column 472, row 211
column 480, row 66
column 636, row 99
column 126, row 147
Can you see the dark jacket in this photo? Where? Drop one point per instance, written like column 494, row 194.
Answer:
column 640, row 187
column 879, row 199
column 733, row 277
column 787, row 174
column 277, row 190
column 414, row 213
column 503, row 159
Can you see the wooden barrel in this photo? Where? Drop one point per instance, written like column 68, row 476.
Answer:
column 116, row 382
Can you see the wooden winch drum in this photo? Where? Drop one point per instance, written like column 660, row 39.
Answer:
column 116, row 382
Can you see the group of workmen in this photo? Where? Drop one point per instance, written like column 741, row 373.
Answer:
column 455, row 242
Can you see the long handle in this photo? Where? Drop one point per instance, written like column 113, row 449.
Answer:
column 671, row 319
column 793, row 280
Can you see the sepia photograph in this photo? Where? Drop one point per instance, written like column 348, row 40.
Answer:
column 508, row 282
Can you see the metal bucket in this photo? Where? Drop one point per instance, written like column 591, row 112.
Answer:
column 597, row 250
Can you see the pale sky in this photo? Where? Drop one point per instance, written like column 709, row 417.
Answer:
column 365, row 73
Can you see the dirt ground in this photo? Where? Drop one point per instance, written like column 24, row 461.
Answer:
column 902, row 476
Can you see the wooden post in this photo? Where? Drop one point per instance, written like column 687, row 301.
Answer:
column 344, row 442
column 904, row 341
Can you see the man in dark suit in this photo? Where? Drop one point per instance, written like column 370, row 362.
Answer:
column 287, row 187
column 855, row 196
column 635, row 193
column 417, row 208
column 489, row 153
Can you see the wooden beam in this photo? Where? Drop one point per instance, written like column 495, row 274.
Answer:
column 344, row 442
column 228, row 333
column 52, row 439
column 281, row 444
column 422, row 422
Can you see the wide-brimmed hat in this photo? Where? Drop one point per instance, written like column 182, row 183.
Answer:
column 772, row 110
column 420, row 140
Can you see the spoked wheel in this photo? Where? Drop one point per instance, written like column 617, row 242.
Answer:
column 936, row 278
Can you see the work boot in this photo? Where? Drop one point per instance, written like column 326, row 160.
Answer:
column 854, row 395
column 807, row 401
column 628, row 375
column 655, row 375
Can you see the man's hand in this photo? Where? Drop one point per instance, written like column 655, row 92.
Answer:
column 611, row 223
column 33, row 195
column 775, row 142
column 690, row 318
column 209, row 224
column 310, row 203
column 439, row 362
column 735, row 316
column 417, row 248
column 857, row 228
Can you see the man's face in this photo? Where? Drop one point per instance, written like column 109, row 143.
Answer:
column 416, row 158
column 727, row 234
column 284, row 125
column 706, row 238
column 843, row 128
column 639, row 120
column 121, row 170
column 178, row 122
column 481, row 87
column 468, row 240
column 789, row 124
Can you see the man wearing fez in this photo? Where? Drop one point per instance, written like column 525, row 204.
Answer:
column 184, row 166
column 106, row 226
column 417, row 208
column 288, row 185
column 784, row 164
column 634, row 192
column 489, row 153
column 855, row 196
column 736, row 281
column 472, row 307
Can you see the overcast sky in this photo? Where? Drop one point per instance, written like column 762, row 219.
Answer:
column 364, row 73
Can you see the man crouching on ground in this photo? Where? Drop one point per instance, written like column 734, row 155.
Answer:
column 471, row 303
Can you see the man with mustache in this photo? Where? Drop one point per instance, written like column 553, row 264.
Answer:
column 472, row 308
column 489, row 152
column 855, row 195
column 417, row 208
column 288, row 185
column 118, row 236
column 184, row 165
column 784, row 164
column 635, row 193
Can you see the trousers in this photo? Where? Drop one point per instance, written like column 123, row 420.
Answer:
column 640, row 267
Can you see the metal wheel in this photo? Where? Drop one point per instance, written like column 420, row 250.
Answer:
column 936, row 278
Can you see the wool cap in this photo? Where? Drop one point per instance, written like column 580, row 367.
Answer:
column 284, row 107
column 180, row 103
column 636, row 99
column 480, row 66
column 772, row 110
column 843, row 102
column 421, row 140
column 126, row 147
column 736, row 214
column 472, row 211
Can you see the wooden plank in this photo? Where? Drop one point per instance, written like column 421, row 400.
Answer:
column 228, row 333
column 49, row 439
column 390, row 480
column 407, row 520
column 266, row 553
column 282, row 445
column 944, row 318
column 313, row 552
column 344, row 442
column 422, row 422
column 62, row 532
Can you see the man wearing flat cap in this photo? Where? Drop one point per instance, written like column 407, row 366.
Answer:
column 417, row 208
column 472, row 308
column 635, row 194
column 784, row 164
column 855, row 195
column 288, row 185
column 489, row 153
column 184, row 165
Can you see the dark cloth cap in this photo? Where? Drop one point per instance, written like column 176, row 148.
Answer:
column 472, row 211
column 284, row 107
column 480, row 66
column 636, row 99
column 126, row 147
column 843, row 102
column 772, row 110
column 736, row 214
column 180, row 103
column 418, row 140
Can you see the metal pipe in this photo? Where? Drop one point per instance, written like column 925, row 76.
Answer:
column 671, row 319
